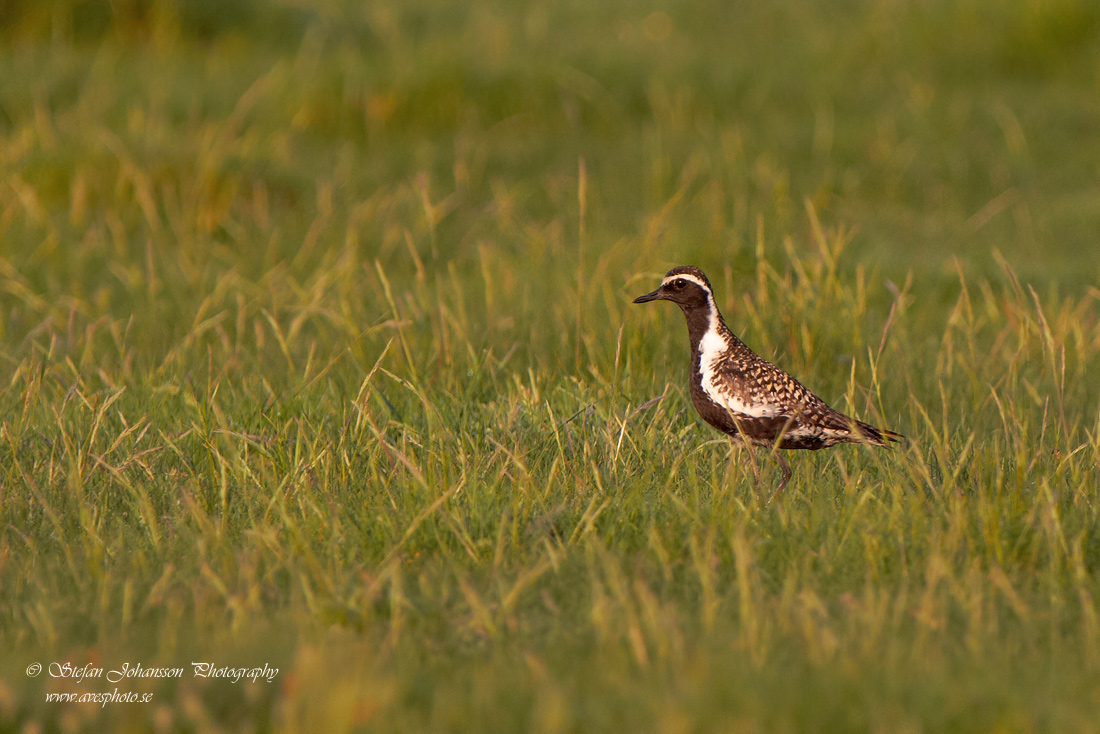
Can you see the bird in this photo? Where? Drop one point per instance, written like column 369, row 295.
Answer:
column 745, row 396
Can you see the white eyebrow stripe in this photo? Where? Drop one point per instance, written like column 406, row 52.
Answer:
column 686, row 276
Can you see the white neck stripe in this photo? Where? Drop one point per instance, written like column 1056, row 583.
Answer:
column 714, row 349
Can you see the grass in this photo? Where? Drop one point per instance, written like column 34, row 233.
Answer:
column 317, row 351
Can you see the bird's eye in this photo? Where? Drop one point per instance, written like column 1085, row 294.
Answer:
column 679, row 283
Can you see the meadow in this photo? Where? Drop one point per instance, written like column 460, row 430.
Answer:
column 317, row 353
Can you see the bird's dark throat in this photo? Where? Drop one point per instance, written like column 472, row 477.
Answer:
column 698, row 321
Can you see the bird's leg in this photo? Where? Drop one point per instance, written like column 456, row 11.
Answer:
column 786, row 469
column 747, row 445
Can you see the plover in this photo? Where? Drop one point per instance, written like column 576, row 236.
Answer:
column 745, row 396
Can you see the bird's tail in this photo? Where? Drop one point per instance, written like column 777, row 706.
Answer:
column 878, row 436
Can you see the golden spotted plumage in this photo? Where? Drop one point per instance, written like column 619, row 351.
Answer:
column 745, row 396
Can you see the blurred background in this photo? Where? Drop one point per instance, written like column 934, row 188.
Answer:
column 934, row 129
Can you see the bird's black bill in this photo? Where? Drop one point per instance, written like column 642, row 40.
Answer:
column 655, row 295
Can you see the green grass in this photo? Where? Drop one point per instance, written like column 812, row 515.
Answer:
column 316, row 350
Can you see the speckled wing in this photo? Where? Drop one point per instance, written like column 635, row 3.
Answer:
column 766, row 402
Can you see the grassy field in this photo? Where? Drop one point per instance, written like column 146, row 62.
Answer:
column 317, row 352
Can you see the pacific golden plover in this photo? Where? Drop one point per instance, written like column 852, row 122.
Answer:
column 745, row 396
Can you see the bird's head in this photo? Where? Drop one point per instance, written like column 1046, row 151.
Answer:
column 686, row 286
